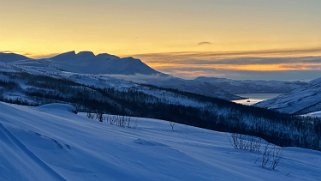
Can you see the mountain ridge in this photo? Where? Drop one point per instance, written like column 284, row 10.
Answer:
column 86, row 62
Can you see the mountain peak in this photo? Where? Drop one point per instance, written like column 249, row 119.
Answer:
column 87, row 54
column 69, row 53
column 65, row 55
column 73, row 55
column 107, row 56
column 89, row 63
column 11, row 57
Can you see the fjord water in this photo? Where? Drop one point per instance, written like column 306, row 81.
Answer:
column 251, row 99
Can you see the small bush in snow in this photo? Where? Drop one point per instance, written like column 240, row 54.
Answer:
column 121, row 121
column 246, row 143
column 100, row 116
column 90, row 115
column 172, row 125
column 271, row 154
column 271, row 157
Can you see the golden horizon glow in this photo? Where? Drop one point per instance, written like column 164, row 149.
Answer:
column 250, row 67
column 38, row 28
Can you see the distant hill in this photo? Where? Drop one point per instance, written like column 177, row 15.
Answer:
column 11, row 57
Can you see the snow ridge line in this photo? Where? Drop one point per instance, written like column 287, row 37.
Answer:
column 30, row 154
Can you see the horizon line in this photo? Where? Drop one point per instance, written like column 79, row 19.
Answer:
column 274, row 52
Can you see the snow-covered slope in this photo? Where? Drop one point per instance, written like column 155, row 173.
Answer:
column 299, row 101
column 53, row 143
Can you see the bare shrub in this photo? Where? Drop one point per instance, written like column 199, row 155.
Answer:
column 271, row 154
column 271, row 157
column 90, row 115
column 100, row 116
column 246, row 143
column 265, row 156
column 77, row 108
column 121, row 121
column 172, row 125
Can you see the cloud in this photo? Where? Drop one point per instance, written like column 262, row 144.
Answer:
column 300, row 64
column 190, row 73
column 204, row 43
column 290, row 53
column 6, row 51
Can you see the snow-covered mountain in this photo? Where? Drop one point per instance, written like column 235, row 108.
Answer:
column 110, row 66
column 51, row 142
column 87, row 62
column 252, row 86
column 299, row 101
column 135, row 70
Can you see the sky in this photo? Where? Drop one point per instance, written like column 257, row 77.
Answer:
column 187, row 38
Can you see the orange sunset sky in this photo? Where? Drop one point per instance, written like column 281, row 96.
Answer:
column 183, row 37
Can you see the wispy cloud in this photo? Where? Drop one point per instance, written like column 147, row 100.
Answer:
column 235, row 54
column 204, row 43
column 5, row 51
column 242, row 64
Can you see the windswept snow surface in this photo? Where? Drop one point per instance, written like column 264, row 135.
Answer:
column 53, row 143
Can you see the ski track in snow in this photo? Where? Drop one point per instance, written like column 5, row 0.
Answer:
column 10, row 140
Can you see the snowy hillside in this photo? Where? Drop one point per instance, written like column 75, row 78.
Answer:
column 299, row 101
column 100, row 93
column 53, row 143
